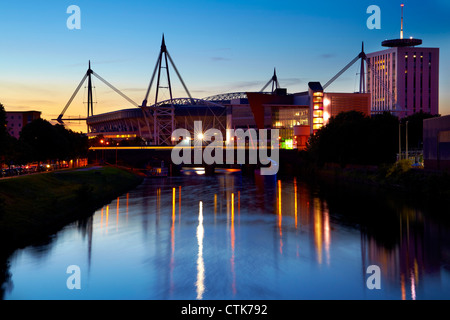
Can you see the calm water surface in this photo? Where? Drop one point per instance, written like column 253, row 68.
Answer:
column 234, row 237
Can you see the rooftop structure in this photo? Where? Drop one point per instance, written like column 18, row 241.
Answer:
column 404, row 79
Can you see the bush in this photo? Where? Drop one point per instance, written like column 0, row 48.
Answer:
column 399, row 168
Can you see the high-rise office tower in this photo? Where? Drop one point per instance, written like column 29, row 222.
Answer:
column 404, row 79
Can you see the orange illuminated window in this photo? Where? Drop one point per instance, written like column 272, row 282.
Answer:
column 317, row 120
column 317, row 126
column 318, row 114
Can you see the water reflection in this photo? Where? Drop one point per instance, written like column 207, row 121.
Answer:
column 233, row 240
column 200, row 264
column 242, row 238
column 172, row 241
column 405, row 242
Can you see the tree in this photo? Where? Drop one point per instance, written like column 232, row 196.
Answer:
column 42, row 139
column 5, row 138
column 48, row 142
column 353, row 138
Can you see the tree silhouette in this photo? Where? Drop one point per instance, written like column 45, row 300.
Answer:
column 353, row 138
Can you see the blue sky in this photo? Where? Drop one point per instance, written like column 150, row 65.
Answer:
column 218, row 46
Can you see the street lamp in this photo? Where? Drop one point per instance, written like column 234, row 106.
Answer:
column 407, row 140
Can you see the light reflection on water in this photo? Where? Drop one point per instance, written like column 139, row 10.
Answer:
column 235, row 237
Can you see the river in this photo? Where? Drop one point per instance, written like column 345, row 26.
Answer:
column 230, row 236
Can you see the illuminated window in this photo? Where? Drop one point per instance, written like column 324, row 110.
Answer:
column 317, row 99
column 317, row 121
column 318, row 113
column 317, row 126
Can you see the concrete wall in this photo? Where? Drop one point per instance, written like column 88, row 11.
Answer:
column 436, row 143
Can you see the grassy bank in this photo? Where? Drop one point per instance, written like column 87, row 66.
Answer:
column 36, row 206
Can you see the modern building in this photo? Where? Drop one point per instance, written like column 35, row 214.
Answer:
column 404, row 79
column 436, row 143
column 16, row 120
column 295, row 116
column 298, row 115
column 128, row 124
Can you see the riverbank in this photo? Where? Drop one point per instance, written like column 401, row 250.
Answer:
column 34, row 207
column 429, row 187
column 432, row 187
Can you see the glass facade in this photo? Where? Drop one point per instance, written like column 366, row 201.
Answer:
column 285, row 119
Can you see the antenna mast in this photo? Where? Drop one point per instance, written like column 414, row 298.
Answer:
column 401, row 29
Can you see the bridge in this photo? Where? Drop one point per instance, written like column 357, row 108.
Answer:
column 146, row 157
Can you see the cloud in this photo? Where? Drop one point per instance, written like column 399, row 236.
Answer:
column 134, row 89
column 290, row 81
column 220, row 59
column 327, row 55
column 93, row 63
column 28, row 104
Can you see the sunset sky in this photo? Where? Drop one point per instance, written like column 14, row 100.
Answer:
column 218, row 47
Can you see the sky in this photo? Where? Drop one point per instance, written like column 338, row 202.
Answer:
column 217, row 46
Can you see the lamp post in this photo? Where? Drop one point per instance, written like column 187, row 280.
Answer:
column 399, row 141
column 407, row 140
